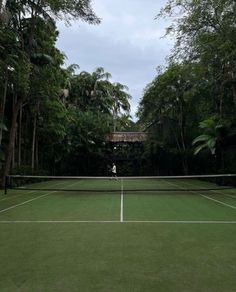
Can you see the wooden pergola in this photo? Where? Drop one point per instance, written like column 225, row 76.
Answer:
column 126, row 148
column 127, row 137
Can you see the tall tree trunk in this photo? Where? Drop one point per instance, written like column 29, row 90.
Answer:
column 2, row 109
column 182, row 135
column 19, row 138
column 234, row 93
column 33, row 142
column 11, row 142
column 14, row 143
column 37, row 153
column 13, row 151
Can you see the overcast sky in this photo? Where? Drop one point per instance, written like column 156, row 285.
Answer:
column 127, row 43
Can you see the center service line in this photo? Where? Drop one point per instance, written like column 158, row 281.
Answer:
column 122, row 202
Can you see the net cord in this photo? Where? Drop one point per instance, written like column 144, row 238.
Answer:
column 124, row 177
column 9, row 185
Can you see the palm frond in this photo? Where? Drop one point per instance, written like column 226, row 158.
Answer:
column 199, row 148
column 201, row 138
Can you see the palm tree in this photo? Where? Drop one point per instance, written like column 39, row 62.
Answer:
column 120, row 101
column 211, row 136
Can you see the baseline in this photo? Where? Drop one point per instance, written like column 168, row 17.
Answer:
column 116, row 221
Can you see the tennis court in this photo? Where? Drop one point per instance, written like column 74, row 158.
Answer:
column 132, row 234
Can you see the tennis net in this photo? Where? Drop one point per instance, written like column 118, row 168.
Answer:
column 189, row 183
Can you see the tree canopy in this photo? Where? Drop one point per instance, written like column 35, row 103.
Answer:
column 196, row 88
column 55, row 119
column 51, row 115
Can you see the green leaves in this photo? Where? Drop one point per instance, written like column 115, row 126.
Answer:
column 211, row 137
column 95, row 92
column 3, row 126
column 207, row 142
column 73, row 9
column 41, row 59
column 199, row 82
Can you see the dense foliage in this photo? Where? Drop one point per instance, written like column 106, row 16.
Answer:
column 55, row 119
column 190, row 107
column 52, row 120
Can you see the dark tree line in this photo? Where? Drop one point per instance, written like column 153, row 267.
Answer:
column 190, row 106
column 54, row 120
column 49, row 115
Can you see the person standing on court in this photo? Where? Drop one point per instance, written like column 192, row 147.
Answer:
column 113, row 170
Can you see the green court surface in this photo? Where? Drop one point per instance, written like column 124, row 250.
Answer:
column 118, row 241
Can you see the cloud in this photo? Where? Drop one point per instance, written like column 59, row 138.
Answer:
column 127, row 43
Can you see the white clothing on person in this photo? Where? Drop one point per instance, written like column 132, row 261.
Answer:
column 113, row 170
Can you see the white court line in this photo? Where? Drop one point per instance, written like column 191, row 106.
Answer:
column 116, row 221
column 7, row 197
column 28, row 201
column 15, row 196
column 209, row 198
column 25, row 202
column 182, row 221
column 122, row 202
column 219, row 192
